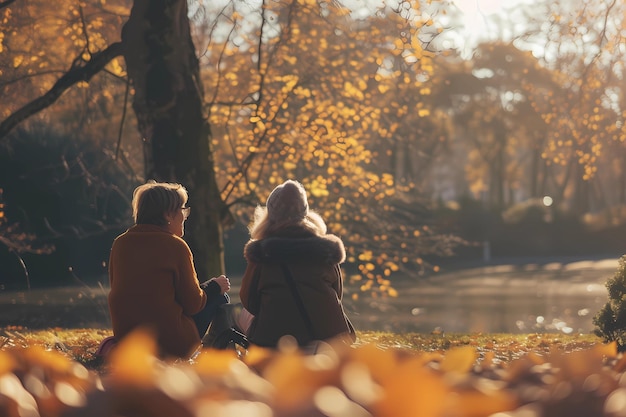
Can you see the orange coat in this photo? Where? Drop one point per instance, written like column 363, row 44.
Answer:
column 314, row 264
column 154, row 285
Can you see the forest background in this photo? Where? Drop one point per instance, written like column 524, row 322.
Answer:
column 422, row 143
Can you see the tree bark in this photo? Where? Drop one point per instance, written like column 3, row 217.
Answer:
column 6, row 3
column 168, row 102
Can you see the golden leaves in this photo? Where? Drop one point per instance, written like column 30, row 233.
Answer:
column 459, row 359
column 353, row 91
column 133, row 360
column 319, row 191
column 215, row 363
column 116, row 68
column 384, row 375
column 17, row 61
column 7, row 363
column 43, row 38
column 332, row 100
column 411, row 390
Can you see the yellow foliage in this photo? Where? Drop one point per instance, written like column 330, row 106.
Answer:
column 327, row 103
column 116, row 68
column 7, row 363
column 17, row 60
column 319, row 191
column 214, row 362
column 289, row 166
column 53, row 360
column 383, row 88
column 132, row 361
column 353, row 91
column 459, row 360
column 382, row 375
column 411, row 390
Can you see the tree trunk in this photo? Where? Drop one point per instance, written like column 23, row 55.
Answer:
column 498, row 168
column 168, row 101
column 581, row 192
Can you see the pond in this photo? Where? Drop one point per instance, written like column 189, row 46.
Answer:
column 552, row 296
column 521, row 297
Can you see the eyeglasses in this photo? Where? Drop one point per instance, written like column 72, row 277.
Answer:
column 186, row 211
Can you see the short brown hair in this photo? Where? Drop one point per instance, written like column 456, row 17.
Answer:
column 153, row 200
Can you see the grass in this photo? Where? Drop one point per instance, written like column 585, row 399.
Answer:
column 81, row 344
column 504, row 347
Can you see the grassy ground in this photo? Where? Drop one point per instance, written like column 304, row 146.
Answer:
column 81, row 344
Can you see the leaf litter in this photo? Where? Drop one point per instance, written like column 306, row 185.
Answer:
column 53, row 373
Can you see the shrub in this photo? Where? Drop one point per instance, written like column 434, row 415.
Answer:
column 610, row 321
column 63, row 191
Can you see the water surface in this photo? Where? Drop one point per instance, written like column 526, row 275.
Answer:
column 548, row 296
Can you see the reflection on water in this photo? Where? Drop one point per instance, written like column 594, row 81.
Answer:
column 549, row 297
column 553, row 297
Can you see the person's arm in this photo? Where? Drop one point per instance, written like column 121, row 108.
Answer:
column 188, row 292
column 216, row 286
column 211, row 288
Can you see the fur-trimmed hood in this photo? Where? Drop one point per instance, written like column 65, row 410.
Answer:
column 328, row 249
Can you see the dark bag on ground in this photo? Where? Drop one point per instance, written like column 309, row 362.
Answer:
column 224, row 332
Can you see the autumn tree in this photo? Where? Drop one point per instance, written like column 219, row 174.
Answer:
column 499, row 131
column 583, row 46
column 539, row 113
column 309, row 91
column 295, row 93
column 167, row 93
column 36, row 41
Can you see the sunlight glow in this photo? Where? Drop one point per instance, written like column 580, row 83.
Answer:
column 475, row 14
column 473, row 7
column 487, row 20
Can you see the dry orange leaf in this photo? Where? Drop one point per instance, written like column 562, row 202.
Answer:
column 459, row 359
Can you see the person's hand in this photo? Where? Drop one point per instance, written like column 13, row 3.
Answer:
column 223, row 282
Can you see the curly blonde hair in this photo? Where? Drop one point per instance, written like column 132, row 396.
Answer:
column 286, row 208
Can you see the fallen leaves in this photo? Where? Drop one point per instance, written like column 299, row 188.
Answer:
column 385, row 375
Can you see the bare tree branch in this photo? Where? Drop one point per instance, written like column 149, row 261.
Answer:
column 79, row 71
column 6, row 3
column 119, row 136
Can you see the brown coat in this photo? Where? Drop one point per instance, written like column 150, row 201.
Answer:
column 154, row 285
column 314, row 264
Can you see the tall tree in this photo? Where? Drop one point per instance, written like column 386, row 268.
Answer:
column 296, row 88
column 582, row 44
column 168, row 101
column 302, row 89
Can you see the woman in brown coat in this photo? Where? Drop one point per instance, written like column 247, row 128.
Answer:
column 293, row 283
column 153, row 280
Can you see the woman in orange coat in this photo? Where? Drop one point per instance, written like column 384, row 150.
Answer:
column 153, row 278
column 293, row 283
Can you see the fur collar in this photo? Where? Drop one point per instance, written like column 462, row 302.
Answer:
column 328, row 249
